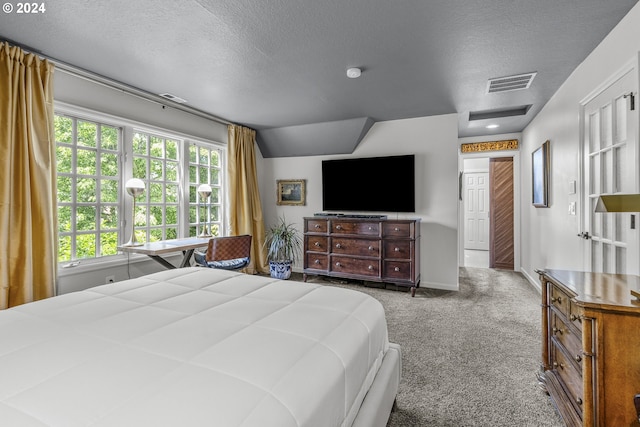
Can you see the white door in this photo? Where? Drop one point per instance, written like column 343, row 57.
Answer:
column 476, row 214
column 611, row 166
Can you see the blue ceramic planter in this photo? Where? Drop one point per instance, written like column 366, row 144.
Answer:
column 280, row 269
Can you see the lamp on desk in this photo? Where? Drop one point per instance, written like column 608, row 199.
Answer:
column 204, row 190
column 135, row 187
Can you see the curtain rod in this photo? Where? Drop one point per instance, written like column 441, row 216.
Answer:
column 114, row 84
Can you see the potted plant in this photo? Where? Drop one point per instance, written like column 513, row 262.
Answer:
column 283, row 248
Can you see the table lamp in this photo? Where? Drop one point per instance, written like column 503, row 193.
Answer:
column 204, row 190
column 135, row 187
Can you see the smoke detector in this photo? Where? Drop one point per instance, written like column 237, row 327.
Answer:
column 354, row 73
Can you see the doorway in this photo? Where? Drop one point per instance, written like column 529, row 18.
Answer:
column 489, row 212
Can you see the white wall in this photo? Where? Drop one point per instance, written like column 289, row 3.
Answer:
column 87, row 94
column 434, row 141
column 549, row 236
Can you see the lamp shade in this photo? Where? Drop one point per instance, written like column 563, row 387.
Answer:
column 135, row 187
column 618, row 203
column 204, row 190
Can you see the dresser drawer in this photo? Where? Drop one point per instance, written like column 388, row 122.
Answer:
column 397, row 229
column 571, row 377
column 353, row 227
column 567, row 337
column 317, row 226
column 316, row 261
column 397, row 249
column 359, row 247
column 559, row 299
column 317, row 243
column 356, row 266
column 397, row 270
column 574, row 315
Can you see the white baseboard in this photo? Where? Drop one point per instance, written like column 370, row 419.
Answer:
column 533, row 281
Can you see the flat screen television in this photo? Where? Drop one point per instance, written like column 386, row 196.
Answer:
column 378, row 184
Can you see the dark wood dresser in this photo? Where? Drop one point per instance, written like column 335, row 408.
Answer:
column 591, row 346
column 377, row 250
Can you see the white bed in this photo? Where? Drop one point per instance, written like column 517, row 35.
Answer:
column 198, row 347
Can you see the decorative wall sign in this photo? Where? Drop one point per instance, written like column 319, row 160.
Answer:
column 478, row 147
column 540, row 176
column 291, row 192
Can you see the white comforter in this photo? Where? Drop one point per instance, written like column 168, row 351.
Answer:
column 191, row 347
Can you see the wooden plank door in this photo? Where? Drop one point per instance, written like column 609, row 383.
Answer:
column 501, row 239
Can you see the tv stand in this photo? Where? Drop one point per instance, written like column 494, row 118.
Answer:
column 363, row 247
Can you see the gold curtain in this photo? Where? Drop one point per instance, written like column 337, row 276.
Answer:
column 245, row 207
column 28, row 210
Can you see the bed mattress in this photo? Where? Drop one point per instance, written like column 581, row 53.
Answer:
column 191, row 347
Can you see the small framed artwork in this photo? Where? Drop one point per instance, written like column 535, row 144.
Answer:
column 540, row 176
column 291, row 192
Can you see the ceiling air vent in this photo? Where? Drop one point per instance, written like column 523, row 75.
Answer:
column 173, row 98
column 509, row 83
column 499, row 113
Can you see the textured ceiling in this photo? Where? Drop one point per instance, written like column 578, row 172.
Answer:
column 282, row 63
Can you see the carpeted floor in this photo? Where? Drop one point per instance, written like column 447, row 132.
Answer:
column 469, row 357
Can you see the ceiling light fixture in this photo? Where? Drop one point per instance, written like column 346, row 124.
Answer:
column 493, row 126
column 354, row 73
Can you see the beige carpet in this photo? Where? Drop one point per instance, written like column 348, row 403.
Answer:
column 470, row 357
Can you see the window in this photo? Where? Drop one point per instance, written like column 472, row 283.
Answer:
column 96, row 154
column 156, row 162
column 89, row 171
column 205, row 166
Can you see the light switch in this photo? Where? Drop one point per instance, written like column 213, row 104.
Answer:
column 572, row 208
column 572, row 188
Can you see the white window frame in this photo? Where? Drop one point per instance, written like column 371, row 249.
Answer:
column 75, row 176
column 127, row 129
column 204, row 209
column 144, row 202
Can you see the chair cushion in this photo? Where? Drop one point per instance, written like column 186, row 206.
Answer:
column 229, row 264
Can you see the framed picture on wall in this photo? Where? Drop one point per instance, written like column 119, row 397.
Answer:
column 540, row 176
column 291, row 192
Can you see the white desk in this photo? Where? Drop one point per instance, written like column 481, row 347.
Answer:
column 155, row 250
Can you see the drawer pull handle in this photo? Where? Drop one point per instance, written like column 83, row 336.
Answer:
column 370, row 267
column 317, row 244
column 317, row 226
column 558, row 365
column 396, row 229
column 578, row 358
column 579, row 401
column 370, row 248
column 557, row 331
column 558, row 300
column 316, row 261
column 338, row 245
column 370, row 228
column 396, row 269
column 338, row 264
column 573, row 317
column 338, row 227
column 396, row 249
